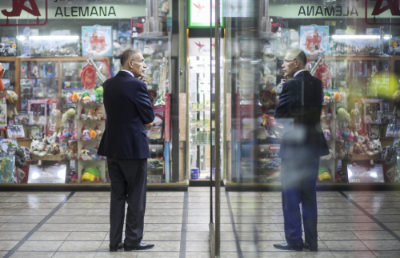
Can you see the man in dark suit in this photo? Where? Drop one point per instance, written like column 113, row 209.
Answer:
column 124, row 143
column 303, row 143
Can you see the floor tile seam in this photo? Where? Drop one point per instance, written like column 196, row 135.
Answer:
column 38, row 226
column 184, row 228
column 378, row 222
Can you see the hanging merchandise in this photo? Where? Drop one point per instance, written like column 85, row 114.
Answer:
column 88, row 77
column 324, row 73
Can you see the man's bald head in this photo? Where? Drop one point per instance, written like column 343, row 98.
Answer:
column 295, row 60
column 298, row 54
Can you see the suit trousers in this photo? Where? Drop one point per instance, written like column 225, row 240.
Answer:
column 128, row 184
column 299, row 178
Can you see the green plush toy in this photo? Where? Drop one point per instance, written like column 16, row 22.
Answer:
column 323, row 174
column 91, row 174
column 85, row 94
column 99, row 94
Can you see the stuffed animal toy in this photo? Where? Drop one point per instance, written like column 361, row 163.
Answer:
column 86, row 155
column 324, row 175
column 342, row 114
column 68, row 114
column 91, row 174
column 59, row 125
column 99, row 94
column 1, row 75
column 12, row 98
column 86, row 99
column 336, row 96
column 99, row 134
column 327, row 99
column 396, row 102
column 75, row 97
column 20, row 159
column 92, row 134
column 357, row 149
column 86, row 135
column 91, row 114
column 99, row 114
column 72, row 150
column 55, row 149
column 327, row 134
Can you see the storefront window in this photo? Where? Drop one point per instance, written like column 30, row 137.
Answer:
column 56, row 54
column 351, row 46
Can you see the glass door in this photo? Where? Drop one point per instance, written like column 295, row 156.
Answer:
column 201, row 95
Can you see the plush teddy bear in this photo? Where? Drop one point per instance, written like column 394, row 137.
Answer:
column 357, row 149
column 55, row 149
column 99, row 114
column 12, row 98
column 90, row 114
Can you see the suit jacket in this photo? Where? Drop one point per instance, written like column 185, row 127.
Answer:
column 128, row 109
column 299, row 109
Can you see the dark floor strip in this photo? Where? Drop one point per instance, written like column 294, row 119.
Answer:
column 41, row 223
column 238, row 248
column 182, row 253
column 366, row 213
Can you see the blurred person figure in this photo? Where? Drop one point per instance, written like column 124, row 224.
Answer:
column 125, row 145
column 303, row 143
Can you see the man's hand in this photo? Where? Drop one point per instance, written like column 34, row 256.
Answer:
column 149, row 125
column 143, row 79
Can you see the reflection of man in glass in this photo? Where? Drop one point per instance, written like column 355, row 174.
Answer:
column 303, row 143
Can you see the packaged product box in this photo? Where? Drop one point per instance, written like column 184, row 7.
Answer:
column 44, row 46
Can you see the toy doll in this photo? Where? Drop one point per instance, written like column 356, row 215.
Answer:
column 86, row 135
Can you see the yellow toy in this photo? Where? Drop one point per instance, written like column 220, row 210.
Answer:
column 90, row 114
column 99, row 114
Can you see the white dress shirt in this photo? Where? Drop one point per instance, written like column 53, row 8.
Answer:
column 128, row 72
column 299, row 71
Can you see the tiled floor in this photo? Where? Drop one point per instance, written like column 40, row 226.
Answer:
column 75, row 224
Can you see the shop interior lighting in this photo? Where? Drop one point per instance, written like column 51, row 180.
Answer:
column 54, row 37
column 387, row 37
column 356, row 36
column 21, row 37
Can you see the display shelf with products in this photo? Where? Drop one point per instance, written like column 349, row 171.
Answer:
column 156, row 52
column 9, row 77
column 91, row 168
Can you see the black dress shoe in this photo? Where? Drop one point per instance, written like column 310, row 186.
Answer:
column 141, row 246
column 311, row 248
column 286, row 246
column 114, row 248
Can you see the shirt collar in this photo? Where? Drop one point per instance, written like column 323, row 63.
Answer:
column 299, row 71
column 128, row 72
